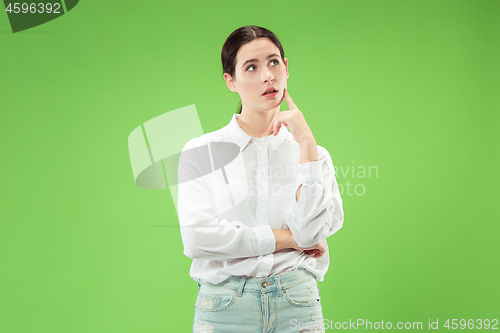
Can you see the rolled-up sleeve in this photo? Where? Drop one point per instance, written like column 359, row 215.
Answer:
column 318, row 214
column 203, row 234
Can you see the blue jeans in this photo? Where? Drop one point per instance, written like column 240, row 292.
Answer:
column 288, row 302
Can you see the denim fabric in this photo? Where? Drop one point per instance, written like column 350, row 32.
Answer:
column 288, row 302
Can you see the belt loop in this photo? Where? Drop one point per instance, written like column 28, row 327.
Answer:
column 239, row 292
column 279, row 287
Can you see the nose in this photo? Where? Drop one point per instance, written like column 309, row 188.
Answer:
column 267, row 76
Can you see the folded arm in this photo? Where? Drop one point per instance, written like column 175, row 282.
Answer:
column 317, row 211
column 204, row 235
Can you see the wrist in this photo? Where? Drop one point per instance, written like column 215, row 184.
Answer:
column 308, row 151
column 284, row 239
column 293, row 244
column 308, row 141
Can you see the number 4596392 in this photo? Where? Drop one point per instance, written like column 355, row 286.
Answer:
column 32, row 8
column 470, row 324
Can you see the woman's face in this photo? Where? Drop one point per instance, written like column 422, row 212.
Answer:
column 259, row 67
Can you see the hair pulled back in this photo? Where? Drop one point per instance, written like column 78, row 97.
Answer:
column 240, row 37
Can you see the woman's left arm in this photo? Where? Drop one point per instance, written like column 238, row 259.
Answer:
column 308, row 153
column 318, row 213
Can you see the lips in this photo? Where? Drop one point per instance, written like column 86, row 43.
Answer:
column 270, row 91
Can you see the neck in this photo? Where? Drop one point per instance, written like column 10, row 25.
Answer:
column 256, row 123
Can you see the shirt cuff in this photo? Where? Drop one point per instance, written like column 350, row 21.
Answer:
column 266, row 242
column 309, row 172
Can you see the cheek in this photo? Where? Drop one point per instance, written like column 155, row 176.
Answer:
column 282, row 73
column 249, row 86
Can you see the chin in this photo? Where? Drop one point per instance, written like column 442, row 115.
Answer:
column 271, row 107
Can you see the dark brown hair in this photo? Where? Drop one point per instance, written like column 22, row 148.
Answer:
column 237, row 39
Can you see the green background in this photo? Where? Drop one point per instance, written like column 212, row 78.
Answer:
column 410, row 87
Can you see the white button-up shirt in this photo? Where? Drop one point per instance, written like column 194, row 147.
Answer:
column 235, row 189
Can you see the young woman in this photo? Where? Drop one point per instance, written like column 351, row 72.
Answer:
column 257, row 201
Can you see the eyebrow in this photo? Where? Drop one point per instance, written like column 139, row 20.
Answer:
column 252, row 60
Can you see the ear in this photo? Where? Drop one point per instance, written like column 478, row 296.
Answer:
column 286, row 67
column 230, row 82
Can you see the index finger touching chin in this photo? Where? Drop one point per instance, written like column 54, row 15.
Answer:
column 289, row 101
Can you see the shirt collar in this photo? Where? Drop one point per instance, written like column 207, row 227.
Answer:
column 241, row 138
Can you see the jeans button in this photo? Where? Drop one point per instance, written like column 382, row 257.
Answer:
column 265, row 284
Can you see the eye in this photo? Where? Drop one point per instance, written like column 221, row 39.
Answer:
column 251, row 66
column 276, row 61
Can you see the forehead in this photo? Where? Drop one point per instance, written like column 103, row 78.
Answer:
column 259, row 49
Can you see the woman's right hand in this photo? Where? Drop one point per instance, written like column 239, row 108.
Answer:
column 284, row 240
column 316, row 250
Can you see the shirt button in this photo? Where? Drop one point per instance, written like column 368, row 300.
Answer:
column 263, row 199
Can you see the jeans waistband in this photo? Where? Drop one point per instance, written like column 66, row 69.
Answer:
column 265, row 284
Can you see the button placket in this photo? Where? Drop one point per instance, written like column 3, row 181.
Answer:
column 265, row 184
column 262, row 183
